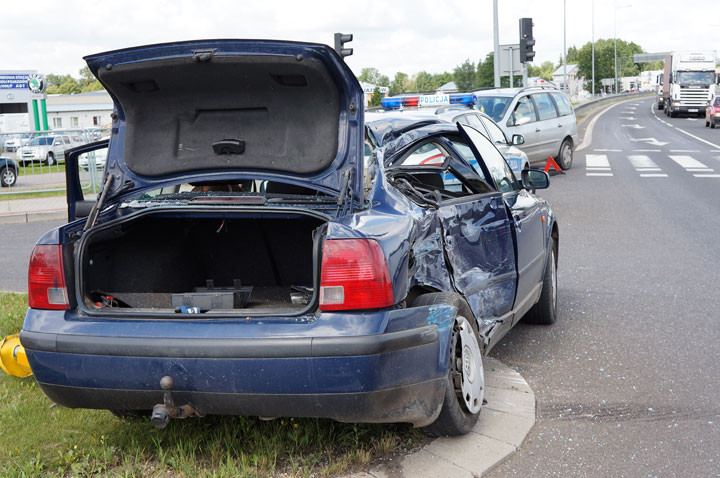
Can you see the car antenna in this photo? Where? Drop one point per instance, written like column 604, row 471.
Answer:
column 97, row 207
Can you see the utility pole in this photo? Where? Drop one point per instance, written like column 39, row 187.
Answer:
column 564, row 51
column 593, row 47
column 496, row 41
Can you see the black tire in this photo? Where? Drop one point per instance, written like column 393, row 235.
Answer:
column 673, row 114
column 565, row 155
column 455, row 417
column 8, row 176
column 712, row 124
column 544, row 311
column 50, row 159
column 667, row 110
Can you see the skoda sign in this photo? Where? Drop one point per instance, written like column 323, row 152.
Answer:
column 36, row 83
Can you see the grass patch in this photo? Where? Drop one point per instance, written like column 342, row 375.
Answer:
column 36, row 168
column 10, row 197
column 39, row 439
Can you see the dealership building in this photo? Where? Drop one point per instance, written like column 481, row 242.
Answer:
column 24, row 106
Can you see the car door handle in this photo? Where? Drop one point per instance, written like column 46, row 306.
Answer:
column 537, row 130
column 560, row 126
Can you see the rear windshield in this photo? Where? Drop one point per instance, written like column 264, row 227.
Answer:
column 493, row 106
column 41, row 142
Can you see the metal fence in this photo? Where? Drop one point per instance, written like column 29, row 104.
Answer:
column 32, row 168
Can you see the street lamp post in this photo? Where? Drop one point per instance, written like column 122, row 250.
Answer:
column 615, row 38
column 593, row 47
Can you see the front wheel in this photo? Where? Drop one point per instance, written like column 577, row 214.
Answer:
column 8, row 177
column 565, row 156
column 465, row 381
column 544, row 311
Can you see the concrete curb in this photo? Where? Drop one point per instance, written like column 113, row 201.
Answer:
column 32, row 216
column 505, row 421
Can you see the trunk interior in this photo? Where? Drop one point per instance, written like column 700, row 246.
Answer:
column 159, row 262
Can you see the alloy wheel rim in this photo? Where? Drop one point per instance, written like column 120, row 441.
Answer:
column 8, row 177
column 470, row 367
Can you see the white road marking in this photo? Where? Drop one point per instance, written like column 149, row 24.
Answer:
column 707, row 175
column 688, row 162
column 653, row 175
column 652, row 141
column 629, row 118
column 635, row 126
column 642, row 161
column 597, row 161
column 648, row 169
column 715, row 150
column 684, row 151
column 700, row 170
column 598, row 174
column 646, row 150
column 587, row 137
column 608, row 150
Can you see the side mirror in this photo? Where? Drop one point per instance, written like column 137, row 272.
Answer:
column 518, row 139
column 533, row 179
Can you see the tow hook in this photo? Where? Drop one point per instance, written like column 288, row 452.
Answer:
column 163, row 412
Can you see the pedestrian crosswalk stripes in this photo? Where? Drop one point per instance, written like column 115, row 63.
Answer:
column 647, row 167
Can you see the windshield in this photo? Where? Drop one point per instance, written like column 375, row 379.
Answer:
column 41, row 142
column 493, row 106
column 695, row 77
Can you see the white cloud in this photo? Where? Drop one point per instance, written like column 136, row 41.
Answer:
column 407, row 36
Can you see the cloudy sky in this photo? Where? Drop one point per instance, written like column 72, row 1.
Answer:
column 52, row 36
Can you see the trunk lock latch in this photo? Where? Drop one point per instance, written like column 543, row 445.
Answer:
column 163, row 412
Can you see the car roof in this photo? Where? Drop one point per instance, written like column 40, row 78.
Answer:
column 510, row 92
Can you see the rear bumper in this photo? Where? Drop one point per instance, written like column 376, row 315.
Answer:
column 397, row 376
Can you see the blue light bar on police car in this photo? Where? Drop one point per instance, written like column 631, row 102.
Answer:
column 428, row 100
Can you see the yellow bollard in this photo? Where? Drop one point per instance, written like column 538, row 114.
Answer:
column 13, row 360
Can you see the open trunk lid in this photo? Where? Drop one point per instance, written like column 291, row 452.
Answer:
column 232, row 109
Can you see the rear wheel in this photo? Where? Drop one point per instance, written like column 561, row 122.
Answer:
column 50, row 159
column 8, row 177
column 565, row 156
column 544, row 311
column 465, row 381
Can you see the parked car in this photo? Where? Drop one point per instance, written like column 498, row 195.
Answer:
column 516, row 159
column 12, row 144
column 8, row 172
column 542, row 115
column 712, row 113
column 49, row 149
column 96, row 158
column 363, row 291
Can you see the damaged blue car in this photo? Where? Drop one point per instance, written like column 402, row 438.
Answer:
column 257, row 249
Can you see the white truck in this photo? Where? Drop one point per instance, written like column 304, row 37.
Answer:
column 688, row 82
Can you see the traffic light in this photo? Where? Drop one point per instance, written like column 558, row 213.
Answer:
column 340, row 40
column 527, row 42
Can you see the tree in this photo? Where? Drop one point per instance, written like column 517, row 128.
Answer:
column 440, row 79
column 376, row 97
column 604, row 59
column 400, row 84
column 464, row 76
column 485, row 74
column 544, row 71
column 424, row 82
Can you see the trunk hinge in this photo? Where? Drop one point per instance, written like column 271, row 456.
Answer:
column 345, row 192
column 95, row 211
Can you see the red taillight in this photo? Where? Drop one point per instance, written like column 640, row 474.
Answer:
column 46, row 279
column 354, row 276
